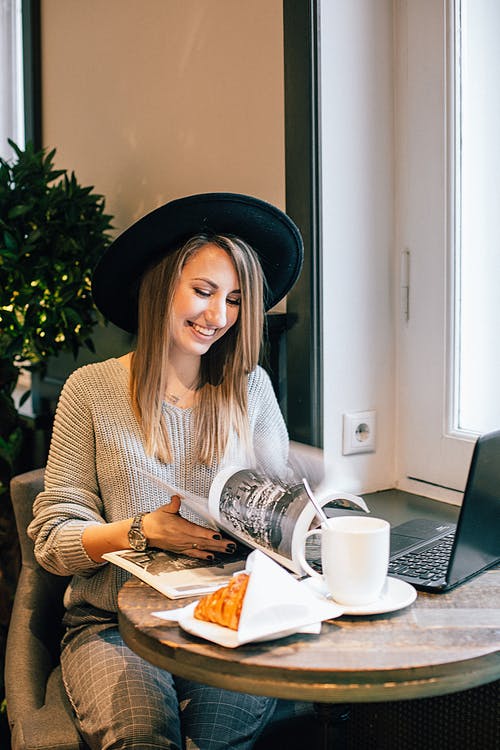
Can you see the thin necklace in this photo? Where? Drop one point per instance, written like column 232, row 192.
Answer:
column 174, row 398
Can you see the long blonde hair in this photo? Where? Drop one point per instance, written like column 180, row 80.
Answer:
column 221, row 399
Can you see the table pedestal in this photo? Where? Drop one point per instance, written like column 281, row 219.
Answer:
column 333, row 718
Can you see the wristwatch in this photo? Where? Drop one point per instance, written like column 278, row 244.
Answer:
column 136, row 537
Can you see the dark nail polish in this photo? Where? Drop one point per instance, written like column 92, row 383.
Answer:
column 210, row 557
column 217, row 536
column 231, row 548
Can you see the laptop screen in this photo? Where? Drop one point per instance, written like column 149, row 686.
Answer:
column 477, row 539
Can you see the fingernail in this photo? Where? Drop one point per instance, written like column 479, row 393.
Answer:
column 217, row 536
column 230, row 548
column 210, row 557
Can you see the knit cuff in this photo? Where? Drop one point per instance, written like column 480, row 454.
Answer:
column 72, row 553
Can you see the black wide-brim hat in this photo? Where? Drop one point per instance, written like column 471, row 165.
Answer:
column 271, row 233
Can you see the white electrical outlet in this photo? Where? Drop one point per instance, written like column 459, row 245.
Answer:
column 359, row 432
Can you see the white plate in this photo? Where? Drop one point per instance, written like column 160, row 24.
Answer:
column 398, row 594
column 210, row 631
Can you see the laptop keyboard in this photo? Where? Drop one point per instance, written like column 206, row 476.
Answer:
column 428, row 564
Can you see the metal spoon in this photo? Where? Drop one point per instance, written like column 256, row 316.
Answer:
column 319, row 510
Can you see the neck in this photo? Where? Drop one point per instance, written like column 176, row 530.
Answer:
column 182, row 381
column 183, row 369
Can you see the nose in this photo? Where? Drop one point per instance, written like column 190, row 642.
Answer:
column 216, row 313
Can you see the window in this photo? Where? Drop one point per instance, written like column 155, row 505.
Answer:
column 476, row 407
column 11, row 76
column 447, row 118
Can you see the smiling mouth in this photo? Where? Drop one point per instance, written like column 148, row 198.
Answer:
column 209, row 332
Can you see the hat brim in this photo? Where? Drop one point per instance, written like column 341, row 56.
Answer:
column 271, row 233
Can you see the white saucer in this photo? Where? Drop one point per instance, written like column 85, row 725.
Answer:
column 398, row 594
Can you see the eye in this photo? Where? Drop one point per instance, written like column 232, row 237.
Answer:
column 202, row 292
column 235, row 301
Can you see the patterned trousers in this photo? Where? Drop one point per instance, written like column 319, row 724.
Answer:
column 122, row 701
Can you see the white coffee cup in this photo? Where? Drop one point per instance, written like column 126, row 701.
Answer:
column 354, row 556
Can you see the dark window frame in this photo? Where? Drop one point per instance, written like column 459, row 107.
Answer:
column 32, row 72
column 303, row 203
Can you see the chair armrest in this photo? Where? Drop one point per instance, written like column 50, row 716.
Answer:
column 33, row 639
column 40, row 715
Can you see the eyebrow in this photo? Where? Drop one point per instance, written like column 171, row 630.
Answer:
column 213, row 284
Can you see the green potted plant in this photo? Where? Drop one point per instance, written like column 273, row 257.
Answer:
column 52, row 232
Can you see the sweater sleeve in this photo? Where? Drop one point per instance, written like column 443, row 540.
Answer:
column 70, row 501
column 270, row 436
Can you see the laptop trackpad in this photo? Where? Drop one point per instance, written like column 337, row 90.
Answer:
column 416, row 531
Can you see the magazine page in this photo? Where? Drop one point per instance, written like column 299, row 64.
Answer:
column 257, row 510
column 177, row 576
column 269, row 514
column 196, row 503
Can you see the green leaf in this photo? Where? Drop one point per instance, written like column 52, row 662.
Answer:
column 9, row 240
column 18, row 211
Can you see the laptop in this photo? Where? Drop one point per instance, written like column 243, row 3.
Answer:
column 436, row 557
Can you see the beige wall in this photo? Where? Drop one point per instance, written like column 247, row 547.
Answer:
column 149, row 100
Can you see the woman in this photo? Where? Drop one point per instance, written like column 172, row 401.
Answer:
column 192, row 279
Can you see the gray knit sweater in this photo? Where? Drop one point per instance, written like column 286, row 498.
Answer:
column 97, row 471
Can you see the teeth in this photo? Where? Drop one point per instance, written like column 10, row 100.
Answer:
column 203, row 331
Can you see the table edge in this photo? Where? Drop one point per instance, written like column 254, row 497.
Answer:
column 350, row 685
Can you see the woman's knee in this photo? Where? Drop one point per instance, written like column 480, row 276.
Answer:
column 215, row 719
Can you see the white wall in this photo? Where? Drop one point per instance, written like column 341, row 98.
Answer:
column 149, row 100
column 358, row 278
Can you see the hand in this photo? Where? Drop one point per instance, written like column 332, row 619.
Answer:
column 166, row 529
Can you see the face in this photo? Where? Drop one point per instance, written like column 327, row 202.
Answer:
column 206, row 301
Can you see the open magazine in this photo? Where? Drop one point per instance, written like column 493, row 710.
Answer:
column 259, row 511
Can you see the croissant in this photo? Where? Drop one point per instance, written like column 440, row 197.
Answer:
column 224, row 605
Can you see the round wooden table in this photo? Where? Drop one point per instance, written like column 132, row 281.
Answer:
column 442, row 643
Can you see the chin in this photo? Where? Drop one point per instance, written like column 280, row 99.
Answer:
column 197, row 350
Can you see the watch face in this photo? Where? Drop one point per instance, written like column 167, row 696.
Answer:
column 137, row 540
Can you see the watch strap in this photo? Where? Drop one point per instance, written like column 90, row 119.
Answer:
column 137, row 538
